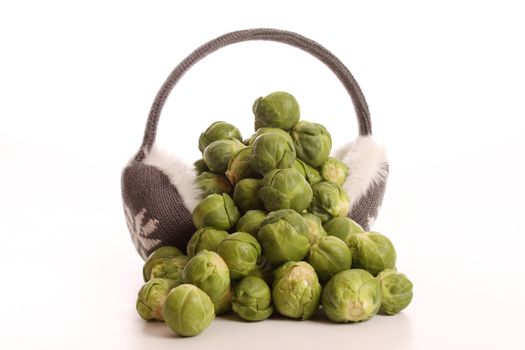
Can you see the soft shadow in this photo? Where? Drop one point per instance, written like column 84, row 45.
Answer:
column 157, row 329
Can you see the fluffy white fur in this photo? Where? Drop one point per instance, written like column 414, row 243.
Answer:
column 180, row 174
column 365, row 158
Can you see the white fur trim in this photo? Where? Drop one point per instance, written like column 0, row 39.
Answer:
column 365, row 159
column 180, row 174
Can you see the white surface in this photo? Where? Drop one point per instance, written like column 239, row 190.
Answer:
column 445, row 87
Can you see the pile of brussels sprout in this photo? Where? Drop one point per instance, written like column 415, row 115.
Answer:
column 272, row 234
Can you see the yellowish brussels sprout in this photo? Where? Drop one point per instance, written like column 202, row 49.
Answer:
column 207, row 238
column 296, row 290
column 188, row 310
column 151, row 298
column 240, row 251
column 334, row 171
column 397, row 291
column 208, row 271
column 351, row 296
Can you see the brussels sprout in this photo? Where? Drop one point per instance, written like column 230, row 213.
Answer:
column 296, row 290
column 170, row 269
column 342, row 227
column 372, row 251
column 252, row 299
column 285, row 189
column 329, row 256
column 158, row 257
column 264, row 269
column 210, row 273
column 272, row 151
column 239, row 166
column 151, row 298
column 217, row 155
column 315, row 227
column 334, row 171
column 277, row 110
column 218, row 131
column 310, row 174
column 240, row 251
column 217, row 211
column 397, row 291
column 251, row 221
column 351, row 296
column 200, row 166
column 188, row 310
column 284, row 236
column 261, row 131
column 245, row 195
column 312, row 143
column 329, row 201
column 210, row 183
column 206, row 238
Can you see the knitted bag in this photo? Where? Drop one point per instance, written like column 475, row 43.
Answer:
column 159, row 192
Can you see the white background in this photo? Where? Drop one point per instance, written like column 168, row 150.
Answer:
column 445, row 85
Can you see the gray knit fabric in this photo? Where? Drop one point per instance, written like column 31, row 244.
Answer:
column 155, row 212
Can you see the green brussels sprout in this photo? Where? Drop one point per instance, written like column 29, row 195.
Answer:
column 342, row 227
column 284, row 236
column 277, row 110
column 218, row 131
column 245, row 195
column 264, row 269
column 351, row 296
column 372, row 251
column 217, row 211
column 240, row 251
column 261, row 131
column 312, row 143
column 200, row 166
column 397, row 291
column 329, row 256
column 210, row 273
column 285, row 189
column 158, row 257
column 272, row 151
column 217, row 155
column 315, row 227
column 210, row 183
column 334, row 171
column 206, row 238
column 329, row 201
column 151, row 298
column 252, row 299
column 188, row 310
column 251, row 221
column 239, row 166
column 310, row 174
column 170, row 269
column 296, row 290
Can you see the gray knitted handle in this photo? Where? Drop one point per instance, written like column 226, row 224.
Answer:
column 286, row 37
